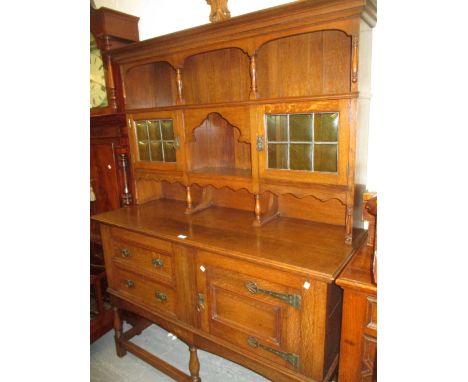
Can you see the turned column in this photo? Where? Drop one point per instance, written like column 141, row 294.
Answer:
column 189, row 198
column 355, row 59
column 194, row 364
column 118, row 328
column 253, row 78
column 349, row 225
column 126, row 195
column 180, row 98
column 258, row 210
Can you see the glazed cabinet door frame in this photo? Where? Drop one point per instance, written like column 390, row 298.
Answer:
column 179, row 137
column 338, row 178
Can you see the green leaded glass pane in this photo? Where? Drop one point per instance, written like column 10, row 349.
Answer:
column 326, row 127
column 277, row 128
column 169, row 152
column 300, row 127
column 325, row 158
column 154, row 131
column 278, row 156
column 143, row 151
column 156, row 151
column 300, row 157
column 142, row 132
column 167, row 130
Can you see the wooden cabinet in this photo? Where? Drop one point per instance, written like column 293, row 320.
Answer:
column 110, row 174
column 248, row 149
column 358, row 350
column 256, row 297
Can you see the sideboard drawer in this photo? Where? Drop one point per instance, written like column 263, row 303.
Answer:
column 138, row 289
column 149, row 256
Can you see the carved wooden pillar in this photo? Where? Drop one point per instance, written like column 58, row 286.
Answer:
column 126, row 198
column 118, row 327
column 355, row 58
column 253, row 78
column 180, row 98
column 194, row 364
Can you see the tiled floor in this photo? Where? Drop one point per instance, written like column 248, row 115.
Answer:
column 107, row 367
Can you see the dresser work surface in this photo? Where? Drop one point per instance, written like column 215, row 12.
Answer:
column 299, row 245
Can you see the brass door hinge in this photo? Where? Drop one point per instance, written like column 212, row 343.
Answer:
column 292, row 358
column 291, row 299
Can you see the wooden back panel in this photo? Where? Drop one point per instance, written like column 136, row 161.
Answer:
column 150, row 85
column 217, row 76
column 303, row 65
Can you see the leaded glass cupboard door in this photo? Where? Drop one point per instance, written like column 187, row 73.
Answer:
column 305, row 142
column 156, row 140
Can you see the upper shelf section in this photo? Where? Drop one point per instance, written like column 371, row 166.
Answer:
column 248, row 32
column 302, row 49
column 306, row 65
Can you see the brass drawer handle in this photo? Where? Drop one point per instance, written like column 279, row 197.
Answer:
column 161, row 296
column 293, row 359
column 125, row 252
column 129, row 283
column 158, row 263
column 291, row 299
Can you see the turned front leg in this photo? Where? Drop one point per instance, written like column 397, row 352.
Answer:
column 194, row 364
column 118, row 328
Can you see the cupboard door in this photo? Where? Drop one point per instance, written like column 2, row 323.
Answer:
column 304, row 141
column 245, row 305
column 156, row 140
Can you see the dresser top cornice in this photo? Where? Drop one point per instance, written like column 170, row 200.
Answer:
column 276, row 22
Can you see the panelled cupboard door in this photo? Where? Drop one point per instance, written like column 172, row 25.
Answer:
column 156, row 139
column 304, row 141
column 250, row 307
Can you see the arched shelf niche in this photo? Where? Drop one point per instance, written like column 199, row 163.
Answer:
column 215, row 148
column 309, row 64
column 150, row 85
column 216, row 76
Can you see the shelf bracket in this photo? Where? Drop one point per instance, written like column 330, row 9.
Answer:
column 271, row 213
column 205, row 202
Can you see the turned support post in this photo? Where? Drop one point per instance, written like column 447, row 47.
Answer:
column 126, row 196
column 118, row 328
column 180, row 98
column 355, row 59
column 194, row 364
column 349, row 225
column 112, row 95
column 189, row 198
column 258, row 210
column 253, row 78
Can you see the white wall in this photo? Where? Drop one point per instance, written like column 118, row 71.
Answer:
column 159, row 17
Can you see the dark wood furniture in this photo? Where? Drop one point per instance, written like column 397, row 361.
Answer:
column 109, row 153
column 248, row 150
column 358, row 349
